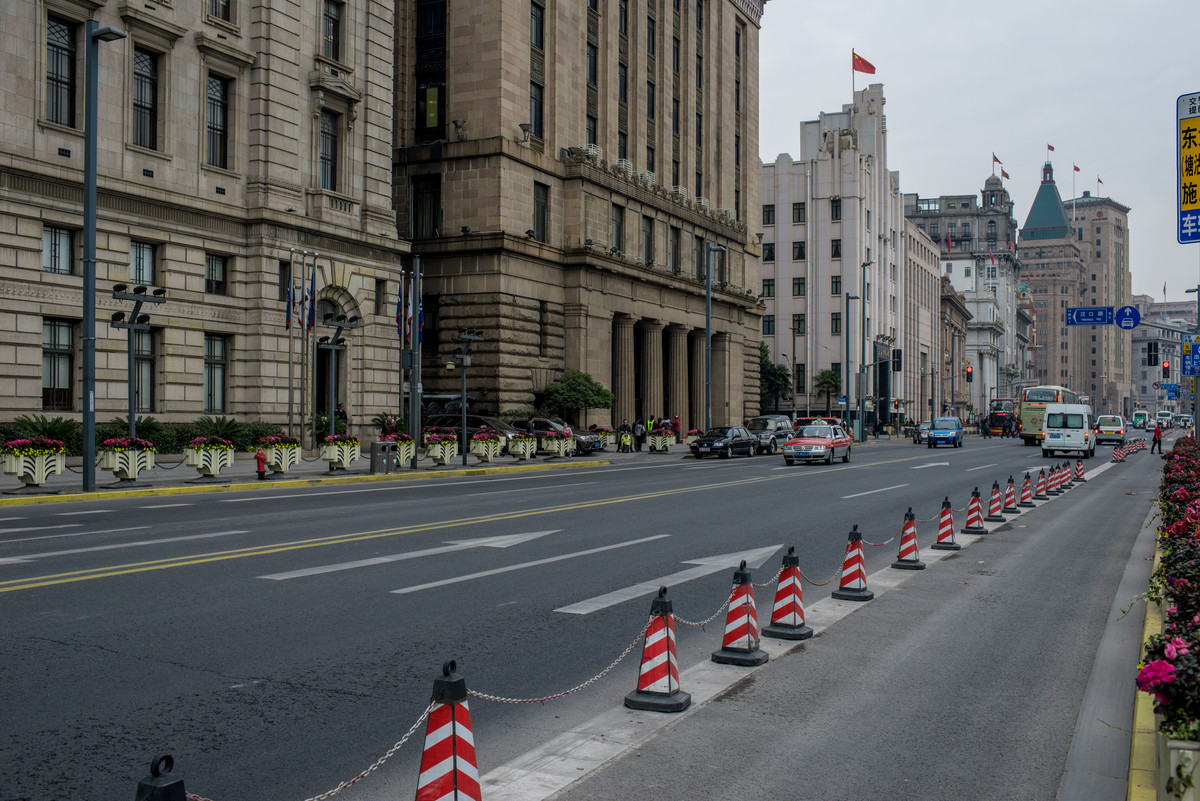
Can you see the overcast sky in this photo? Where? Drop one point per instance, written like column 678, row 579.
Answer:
column 1097, row 80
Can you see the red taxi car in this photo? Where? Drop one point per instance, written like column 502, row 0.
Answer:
column 817, row 443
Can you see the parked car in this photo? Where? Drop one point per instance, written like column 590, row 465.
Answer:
column 817, row 443
column 945, row 431
column 1110, row 428
column 475, row 424
column 585, row 441
column 772, row 431
column 725, row 441
column 921, row 433
column 801, row 422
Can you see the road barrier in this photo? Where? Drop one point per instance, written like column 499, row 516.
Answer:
column 975, row 514
column 787, row 615
column 739, row 646
column 658, row 687
column 909, row 556
column 1010, row 498
column 945, row 536
column 1026, row 501
column 994, row 505
column 854, row 571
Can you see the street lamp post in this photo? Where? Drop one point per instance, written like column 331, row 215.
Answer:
column 846, row 336
column 137, row 322
column 466, row 336
column 862, row 345
column 94, row 34
column 709, row 247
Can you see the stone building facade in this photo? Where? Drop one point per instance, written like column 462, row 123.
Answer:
column 242, row 145
column 562, row 169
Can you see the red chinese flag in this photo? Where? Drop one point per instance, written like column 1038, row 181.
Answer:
column 996, row 160
column 1003, row 174
column 1098, row 180
column 993, row 256
column 860, row 64
column 1076, row 167
column 1050, row 147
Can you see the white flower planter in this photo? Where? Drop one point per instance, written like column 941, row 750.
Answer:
column 208, row 461
column 442, row 452
column 559, row 447
column 661, row 444
column 1176, row 758
column 34, row 470
column 126, row 465
column 486, row 451
column 522, row 449
column 340, row 454
column 282, row 458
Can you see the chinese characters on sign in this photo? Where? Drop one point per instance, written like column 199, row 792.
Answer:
column 1188, row 112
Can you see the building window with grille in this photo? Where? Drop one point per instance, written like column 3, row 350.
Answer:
column 798, row 213
column 768, row 251
column 835, row 285
column 143, row 371
column 590, row 130
column 145, row 98
column 218, row 121
column 801, row 377
column 835, row 249
column 427, row 206
column 541, row 211
column 835, row 209
column 768, row 214
column 650, row 158
column 537, row 94
column 593, row 65
column 700, row 267
column 214, row 274
column 623, row 17
column 799, row 325
column 330, row 135
column 58, row 365
column 622, row 83
column 622, row 145
column 835, row 323
column 768, row 325
column 799, row 288
column 768, row 288
column 221, row 9
column 674, row 240
column 618, row 228
column 650, row 100
column 60, row 72
column 331, row 30
column 215, row 368
column 799, row 251
column 651, row 36
column 537, row 25
column 647, row 240
column 141, row 263
column 57, row 250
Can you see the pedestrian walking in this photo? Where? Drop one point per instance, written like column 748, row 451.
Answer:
column 639, row 434
column 1157, row 442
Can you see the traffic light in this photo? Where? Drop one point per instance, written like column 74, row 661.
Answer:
column 1166, row 369
column 970, row 374
column 897, row 360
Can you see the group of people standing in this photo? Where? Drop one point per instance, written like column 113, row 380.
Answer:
column 631, row 438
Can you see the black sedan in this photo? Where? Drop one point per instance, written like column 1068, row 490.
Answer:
column 725, row 441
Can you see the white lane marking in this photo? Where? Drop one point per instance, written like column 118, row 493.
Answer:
column 76, row 534
column 86, row 512
column 117, row 546
column 981, row 467
column 872, row 492
column 38, row 528
column 6, row 519
column 164, row 506
column 522, row 566
column 929, row 464
column 706, row 566
column 530, row 489
column 504, row 541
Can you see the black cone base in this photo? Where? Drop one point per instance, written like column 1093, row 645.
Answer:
column 994, row 519
column 946, row 546
column 657, row 702
column 908, row 564
column 782, row 631
column 728, row 656
column 853, row 595
column 973, row 530
column 1026, row 504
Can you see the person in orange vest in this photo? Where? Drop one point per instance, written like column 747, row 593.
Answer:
column 260, row 462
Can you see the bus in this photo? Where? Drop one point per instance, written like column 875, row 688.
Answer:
column 1140, row 418
column 1000, row 413
column 1031, row 409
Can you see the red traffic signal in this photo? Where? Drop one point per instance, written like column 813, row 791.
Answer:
column 1166, row 369
column 970, row 373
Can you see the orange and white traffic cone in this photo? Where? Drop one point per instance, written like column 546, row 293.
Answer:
column 909, row 557
column 994, row 505
column 448, row 767
column 658, row 682
column 1010, row 498
column 975, row 514
column 945, row 535
column 740, row 644
column 1118, row 454
column 1026, row 501
column 787, row 616
column 1040, row 493
column 1079, row 476
column 853, row 586
column 1068, row 480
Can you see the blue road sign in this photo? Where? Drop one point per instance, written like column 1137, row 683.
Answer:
column 1172, row 391
column 1089, row 315
column 841, row 399
column 1128, row 317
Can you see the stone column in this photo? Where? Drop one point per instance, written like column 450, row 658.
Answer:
column 696, row 384
column 677, row 377
column 622, row 369
column 652, row 369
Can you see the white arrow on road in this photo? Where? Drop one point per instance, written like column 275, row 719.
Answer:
column 503, row 541
column 705, row 567
column 929, row 464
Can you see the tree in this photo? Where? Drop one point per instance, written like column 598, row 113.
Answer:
column 774, row 380
column 572, row 391
column 828, row 382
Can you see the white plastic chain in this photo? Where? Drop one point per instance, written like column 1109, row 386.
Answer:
column 885, row 542
column 707, row 620
column 836, row 573
column 564, row 693
column 771, row 581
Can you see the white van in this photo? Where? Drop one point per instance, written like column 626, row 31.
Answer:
column 1068, row 427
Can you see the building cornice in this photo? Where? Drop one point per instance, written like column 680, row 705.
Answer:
column 753, row 9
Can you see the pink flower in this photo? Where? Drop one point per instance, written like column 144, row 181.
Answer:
column 1154, row 674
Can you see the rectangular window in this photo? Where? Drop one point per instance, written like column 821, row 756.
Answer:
column 835, row 323
column 58, row 365
column 145, row 98
column 768, row 214
column 675, row 115
column 650, row 158
column 593, row 65
column 590, row 126
column 835, row 209
column 60, row 72
column 798, row 213
column 700, row 268
column 623, row 17
column 57, row 250
column 141, row 263
column 768, row 288
column 674, row 239
column 143, row 371
column 674, row 172
column 214, row 275
column 220, row 9
column 799, row 287
column 617, row 230
column 537, row 25
column 675, row 54
column 218, row 121
column 699, row 13
column 622, row 145
column 835, row 285
column 651, row 35
column 650, row 100
column 799, row 325
column 799, row 251
column 536, row 99
column 835, row 249
column 699, row 71
column 622, row 83
column 801, row 377
column 427, row 206
column 331, row 30
column 330, row 133
column 215, row 367
column 381, row 296
column 737, row 95
column 768, row 325
column 768, row 251
column 647, row 240
column 541, row 211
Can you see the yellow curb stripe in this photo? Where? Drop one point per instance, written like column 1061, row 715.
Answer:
column 1143, row 754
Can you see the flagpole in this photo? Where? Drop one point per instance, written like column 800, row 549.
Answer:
column 414, row 379
column 312, row 345
column 291, row 337
column 301, row 323
column 400, row 342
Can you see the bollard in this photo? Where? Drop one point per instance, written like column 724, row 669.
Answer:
column 740, row 643
column 658, row 681
column 448, row 766
column 160, row 785
column 787, row 618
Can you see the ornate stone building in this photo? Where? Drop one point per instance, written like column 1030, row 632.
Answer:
column 234, row 136
column 561, row 169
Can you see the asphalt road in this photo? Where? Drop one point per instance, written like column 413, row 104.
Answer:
column 278, row 642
